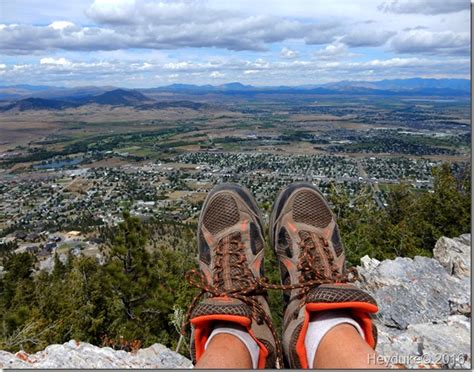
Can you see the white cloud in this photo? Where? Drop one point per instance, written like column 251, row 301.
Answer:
column 19, row 68
column 128, row 24
column 260, row 63
column 61, row 25
column 332, row 51
column 425, row 6
column 55, row 61
column 112, row 11
column 288, row 53
column 424, row 41
column 145, row 66
column 366, row 37
column 146, row 24
column 177, row 65
column 216, row 75
column 394, row 62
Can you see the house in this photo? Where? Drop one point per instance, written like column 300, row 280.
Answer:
column 33, row 249
column 21, row 235
column 50, row 246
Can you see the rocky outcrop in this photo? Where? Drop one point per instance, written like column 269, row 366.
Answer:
column 454, row 255
column 423, row 322
column 75, row 354
column 425, row 305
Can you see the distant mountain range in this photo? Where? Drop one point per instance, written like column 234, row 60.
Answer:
column 30, row 97
column 415, row 86
column 403, row 85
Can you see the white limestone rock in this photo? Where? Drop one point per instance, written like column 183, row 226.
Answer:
column 454, row 255
column 424, row 305
column 75, row 354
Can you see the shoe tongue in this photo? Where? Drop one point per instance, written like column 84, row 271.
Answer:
column 222, row 301
column 236, row 269
column 309, row 240
column 305, row 235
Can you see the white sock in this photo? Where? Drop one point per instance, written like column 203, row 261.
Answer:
column 322, row 322
column 242, row 334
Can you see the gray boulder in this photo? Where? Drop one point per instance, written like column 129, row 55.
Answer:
column 428, row 345
column 454, row 255
column 411, row 291
column 424, row 306
column 75, row 354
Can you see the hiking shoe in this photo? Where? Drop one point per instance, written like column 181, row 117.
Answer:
column 231, row 257
column 305, row 236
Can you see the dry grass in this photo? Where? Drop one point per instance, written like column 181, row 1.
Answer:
column 106, row 163
column 21, row 128
column 78, row 186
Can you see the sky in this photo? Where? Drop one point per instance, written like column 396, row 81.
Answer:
column 148, row 43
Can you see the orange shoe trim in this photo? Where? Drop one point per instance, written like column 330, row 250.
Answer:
column 360, row 312
column 203, row 326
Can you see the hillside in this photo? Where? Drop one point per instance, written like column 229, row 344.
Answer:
column 118, row 97
column 37, row 104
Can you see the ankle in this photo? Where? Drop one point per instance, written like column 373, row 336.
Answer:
column 217, row 353
column 343, row 328
column 344, row 347
column 323, row 325
column 232, row 336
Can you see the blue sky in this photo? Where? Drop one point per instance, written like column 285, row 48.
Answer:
column 146, row 43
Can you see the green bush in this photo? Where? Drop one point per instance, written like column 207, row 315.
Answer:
column 411, row 223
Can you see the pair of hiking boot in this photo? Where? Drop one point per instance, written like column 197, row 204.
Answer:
column 305, row 237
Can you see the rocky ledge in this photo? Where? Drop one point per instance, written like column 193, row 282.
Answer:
column 425, row 305
column 423, row 322
column 75, row 354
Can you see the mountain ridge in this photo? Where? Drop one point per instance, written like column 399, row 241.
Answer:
column 387, row 86
column 408, row 83
column 116, row 97
column 55, row 98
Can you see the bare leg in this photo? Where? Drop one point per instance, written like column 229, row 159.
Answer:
column 225, row 351
column 342, row 347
